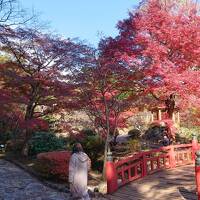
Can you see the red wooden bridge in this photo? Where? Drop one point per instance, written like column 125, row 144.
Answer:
column 175, row 167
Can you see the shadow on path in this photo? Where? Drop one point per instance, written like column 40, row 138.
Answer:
column 187, row 194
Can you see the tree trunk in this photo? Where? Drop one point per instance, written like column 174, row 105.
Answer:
column 25, row 149
column 28, row 133
column 25, row 146
column 170, row 105
column 107, row 137
column 105, row 155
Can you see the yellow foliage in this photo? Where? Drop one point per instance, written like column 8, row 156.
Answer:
column 134, row 145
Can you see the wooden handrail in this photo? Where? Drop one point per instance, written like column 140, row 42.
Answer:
column 147, row 162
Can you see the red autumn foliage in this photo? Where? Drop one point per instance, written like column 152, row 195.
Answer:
column 36, row 78
column 56, row 163
column 35, row 124
column 108, row 89
column 77, row 135
column 11, row 118
column 162, row 39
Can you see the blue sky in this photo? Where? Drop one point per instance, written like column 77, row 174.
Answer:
column 86, row 19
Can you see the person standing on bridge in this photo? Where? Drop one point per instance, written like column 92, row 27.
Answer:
column 166, row 141
column 79, row 166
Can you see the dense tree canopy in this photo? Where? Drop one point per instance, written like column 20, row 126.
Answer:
column 154, row 58
column 35, row 78
column 163, row 37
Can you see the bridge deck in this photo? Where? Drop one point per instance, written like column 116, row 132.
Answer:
column 177, row 184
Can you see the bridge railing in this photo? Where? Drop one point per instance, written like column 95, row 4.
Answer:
column 147, row 162
column 183, row 154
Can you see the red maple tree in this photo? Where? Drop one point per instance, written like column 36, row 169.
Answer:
column 163, row 37
column 108, row 91
column 36, row 78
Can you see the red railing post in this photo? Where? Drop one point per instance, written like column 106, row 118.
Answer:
column 111, row 174
column 194, row 145
column 144, row 165
column 172, row 157
column 197, row 173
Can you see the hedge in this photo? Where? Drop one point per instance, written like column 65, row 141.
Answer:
column 54, row 164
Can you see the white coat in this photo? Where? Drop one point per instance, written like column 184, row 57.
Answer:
column 78, row 175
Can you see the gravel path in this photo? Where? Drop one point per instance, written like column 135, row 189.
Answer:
column 15, row 184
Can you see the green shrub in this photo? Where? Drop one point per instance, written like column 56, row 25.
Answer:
column 5, row 136
column 94, row 147
column 45, row 142
column 14, row 145
column 88, row 132
column 134, row 145
column 134, row 134
column 52, row 122
column 92, row 144
column 185, row 134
